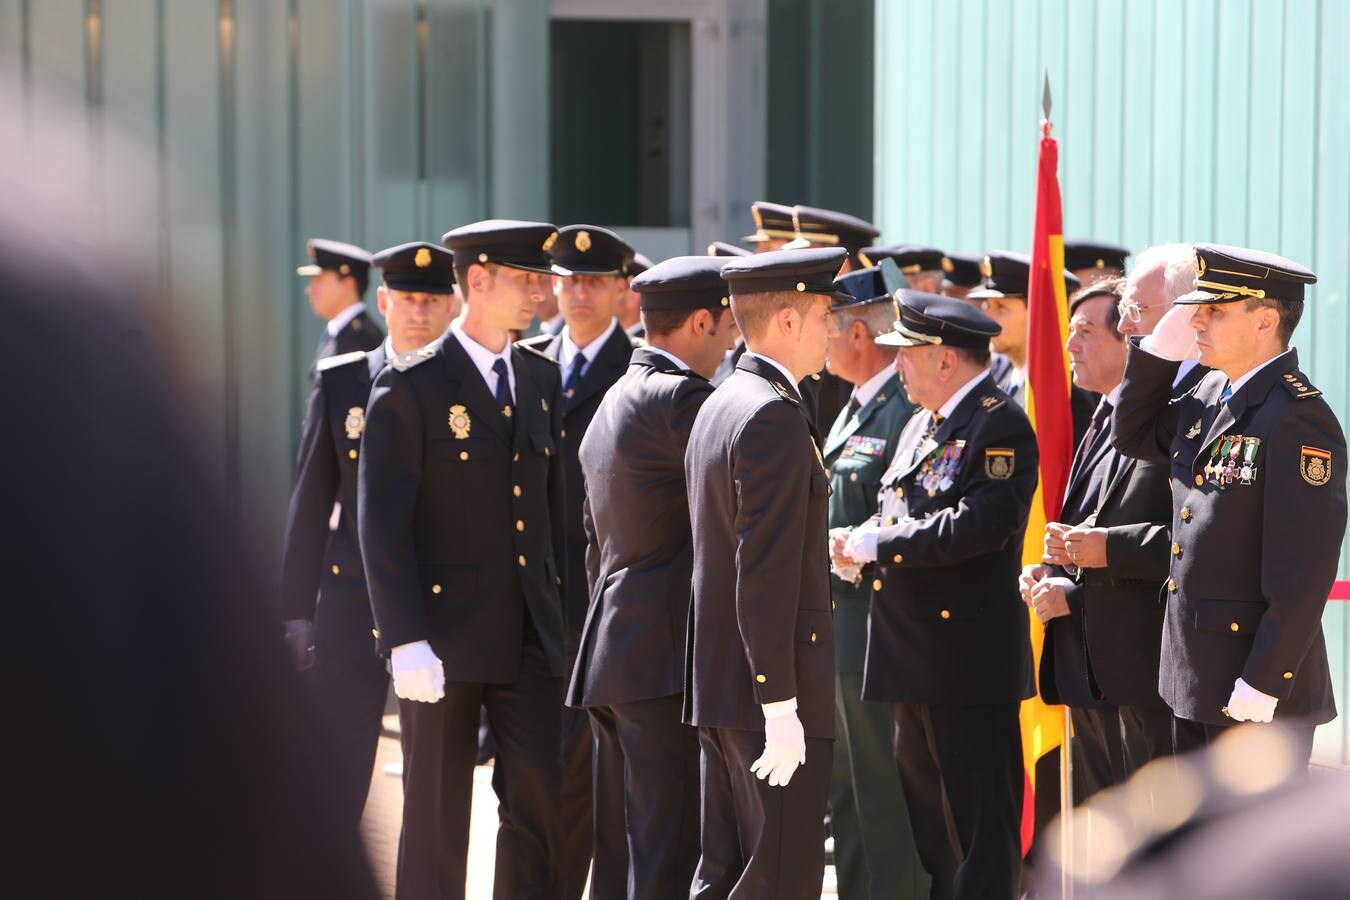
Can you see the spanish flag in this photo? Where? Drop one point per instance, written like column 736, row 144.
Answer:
column 1047, row 385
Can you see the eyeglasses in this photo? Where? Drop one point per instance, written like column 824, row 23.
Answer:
column 1135, row 313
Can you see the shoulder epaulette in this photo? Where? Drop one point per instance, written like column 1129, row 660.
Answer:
column 786, row 393
column 341, row 359
column 528, row 345
column 406, row 361
column 1297, row 383
column 991, row 402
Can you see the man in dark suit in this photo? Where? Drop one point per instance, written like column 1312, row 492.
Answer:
column 1257, row 464
column 948, row 640
column 1097, row 591
column 1003, row 295
column 760, row 670
column 338, row 276
column 321, row 569
column 590, row 277
column 460, row 499
column 873, row 843
column 629, row 673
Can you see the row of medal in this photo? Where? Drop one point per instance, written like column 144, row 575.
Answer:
column 940, row 469
column 1233, row 457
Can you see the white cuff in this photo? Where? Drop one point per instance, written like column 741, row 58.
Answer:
column 862, row 542
column 779, row 708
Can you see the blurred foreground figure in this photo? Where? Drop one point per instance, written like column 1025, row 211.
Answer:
column 160, row 746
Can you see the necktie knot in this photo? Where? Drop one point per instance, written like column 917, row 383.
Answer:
column 853, row 406
column 1227, row 393
column 933, row 424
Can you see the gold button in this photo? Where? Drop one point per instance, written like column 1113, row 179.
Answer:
column 813, row 637
column 564, row 432
column 1185, row 513
column 815, row 376
column 1171, row 584
column 853, row 476
column 761, row 679
column 1288, row 675
column 375, row 632
column 834, row 604
column 464, row 454
column 1176, row 453
column 1199, row 480
column 351, row 454
column 889, row 520
column 520, row 525
column 482, row 257
column 515, row 458
column 876, row 584
column 801, row 285
column 1234, row 627
column 898, row 559
column 516, row 490
column 336, row 570
column 900, row 492
column 946, row 614
column 435, row 588
column 521, row 559
column 1176, row 549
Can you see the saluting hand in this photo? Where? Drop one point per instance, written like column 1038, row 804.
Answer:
column 1173, row 338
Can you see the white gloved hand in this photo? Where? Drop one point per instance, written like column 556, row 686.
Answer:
column 1247, row 704
column 784, row 744
column 1173, row 338
column 862, row 542
column 418, row 673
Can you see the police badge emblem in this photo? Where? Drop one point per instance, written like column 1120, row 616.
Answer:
column 355, row 423
column 459, row 421
column 583, row 241
column 422, row 259
column 1314, row 465
column 999, row 462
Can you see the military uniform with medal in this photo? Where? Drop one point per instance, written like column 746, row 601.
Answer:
column 1259, row 505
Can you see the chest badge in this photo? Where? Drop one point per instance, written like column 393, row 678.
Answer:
column 1314, row 465
column 459, row 421
column 999, row 462
column 355, row 423
column 1194, row 432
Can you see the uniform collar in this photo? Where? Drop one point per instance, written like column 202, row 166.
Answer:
column 946, row 410
column 864, row 392
column 341, row 320
column 668, row 355
column 481, row 357
column 787, row 376
column 569, row 348
column 1237, row 385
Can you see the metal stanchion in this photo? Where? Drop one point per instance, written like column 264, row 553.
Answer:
column 1066, row 811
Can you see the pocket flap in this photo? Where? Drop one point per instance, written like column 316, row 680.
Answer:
column 813, row 626
column 543, row 443
column 1229, row 616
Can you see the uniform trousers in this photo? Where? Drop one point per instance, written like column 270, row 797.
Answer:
column 760, row 841
column 440, row 744
column 961, row 769
column 577, row 795
column 646, row 800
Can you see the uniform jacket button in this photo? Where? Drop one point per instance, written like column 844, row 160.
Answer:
column 520, row 526
column 375, row 633
column 516, row 490
column 464, row 454
column 435, row 588
column 1199, row 480
column 1176, row 549
column 1171, row 584
column 521, row 559
column 351, row 454
column 813, row 637
column 946, row 614
column 761, row 679
column 1185, row 513
column 876, row 584
column 336, row 570
column 852, row 476
column 1233, row 626
column 898, row 558
column 1288, row 675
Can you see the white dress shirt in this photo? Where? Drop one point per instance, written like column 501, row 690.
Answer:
column 668, row 355
column 570, row 349
column 339, row 322
column 792, row 382
column 864, row 392
column 483, row 358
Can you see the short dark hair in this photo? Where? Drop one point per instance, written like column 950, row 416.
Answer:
column 1111, row 288
column 1291, row 311
column 362, row 280
column 977, row 355
column 660, row 322
column 462, row 274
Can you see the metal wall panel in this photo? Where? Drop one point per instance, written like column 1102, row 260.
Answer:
column 1194, row 120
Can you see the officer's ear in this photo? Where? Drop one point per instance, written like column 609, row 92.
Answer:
column 382, row 300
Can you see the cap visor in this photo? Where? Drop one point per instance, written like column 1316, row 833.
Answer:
column 542, row 270
column 1198, row 298
column 310, row 269
column 896, row 339
column 797, row 244
column 981, row 293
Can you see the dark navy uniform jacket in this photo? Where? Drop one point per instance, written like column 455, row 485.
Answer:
column 460, row 511
column 1254, row 553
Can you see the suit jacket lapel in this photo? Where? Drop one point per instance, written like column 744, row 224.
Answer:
column 473, row 390
column 530, row 400
column 958, row 419
column 375, row 362
column 1086, row 462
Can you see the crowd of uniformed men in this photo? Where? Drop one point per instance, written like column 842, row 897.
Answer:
column 718, row 549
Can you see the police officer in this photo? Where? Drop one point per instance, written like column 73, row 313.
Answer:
column 921, row 266
column 1093, row 261
column 1097, row 592
column 948, row 639
column 629, row 674
column 338, row 276
column 773, row 226
column 759, row 682
column 460, row 507
column 322, row 568
column 590, row 277
column 1258, row 492
column 873, row 843
column 815, row 227
column 960, row 275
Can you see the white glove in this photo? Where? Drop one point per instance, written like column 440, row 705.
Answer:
column 862, row 542
column 1173, row 338
column 418, row 673
column 1247, row 704
column 784, row 744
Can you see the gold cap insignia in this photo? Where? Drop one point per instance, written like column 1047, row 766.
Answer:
column 355, row 423
column 1314, row 464
column 459, row 421
column 986, row 268
column 583, row 241
column 759, row 219
column 423, row 258
column 549, row 242
column 344, row 269
column 998, row 462
column 948, row 266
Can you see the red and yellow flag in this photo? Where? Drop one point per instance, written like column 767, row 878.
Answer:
column 1047, row 387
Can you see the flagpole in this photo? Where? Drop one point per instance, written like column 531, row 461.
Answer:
column 1066, row 847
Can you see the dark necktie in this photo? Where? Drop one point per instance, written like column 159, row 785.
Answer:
column 853, row 406
column 503, row 385
column 1227, row 392
column 573, row 377
column 932, row 428
column 1098, row 425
